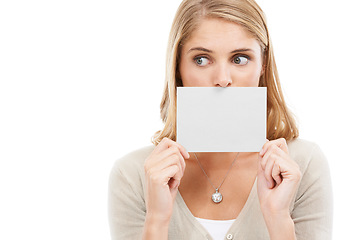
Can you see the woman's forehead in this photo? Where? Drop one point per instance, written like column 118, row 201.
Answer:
column 217, row 34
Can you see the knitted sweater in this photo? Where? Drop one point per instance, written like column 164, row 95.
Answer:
column 311, row 209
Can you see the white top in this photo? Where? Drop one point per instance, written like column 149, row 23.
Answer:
column 216, row 228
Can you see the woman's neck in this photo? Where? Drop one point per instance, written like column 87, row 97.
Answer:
column 216, row 160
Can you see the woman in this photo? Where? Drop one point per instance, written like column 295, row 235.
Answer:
column 163, row 191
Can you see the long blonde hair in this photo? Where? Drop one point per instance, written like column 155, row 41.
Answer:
column 247, row 13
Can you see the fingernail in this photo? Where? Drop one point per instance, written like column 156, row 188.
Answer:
column 261, row 152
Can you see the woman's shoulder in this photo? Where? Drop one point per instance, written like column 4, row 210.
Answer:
column 306, row 154
column 298, row 145
column 313, row 199
column 127, row 173
column 133, row 160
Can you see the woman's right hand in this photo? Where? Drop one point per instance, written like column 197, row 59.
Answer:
column 164, row 169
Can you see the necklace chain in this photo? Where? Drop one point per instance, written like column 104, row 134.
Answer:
column 216, row 189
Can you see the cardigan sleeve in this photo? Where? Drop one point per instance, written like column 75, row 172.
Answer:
column 312, row 212
column 125, row 206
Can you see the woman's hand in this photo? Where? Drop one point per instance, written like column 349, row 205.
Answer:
column 164, row 169
column 278, row 178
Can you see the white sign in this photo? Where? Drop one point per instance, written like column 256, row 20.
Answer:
column 216, row 119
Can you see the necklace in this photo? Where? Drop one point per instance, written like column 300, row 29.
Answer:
column 217, row 196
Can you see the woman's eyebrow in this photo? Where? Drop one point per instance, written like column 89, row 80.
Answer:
column 200, row 49
column 210, row 51
column 242, row 50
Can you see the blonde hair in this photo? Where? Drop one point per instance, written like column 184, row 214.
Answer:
column 247, row 13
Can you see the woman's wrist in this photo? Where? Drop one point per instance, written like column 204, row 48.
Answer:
column 155, row 228
column 280, row 226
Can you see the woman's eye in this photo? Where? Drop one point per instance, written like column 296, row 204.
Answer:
column 240, row 60
column 201, row 61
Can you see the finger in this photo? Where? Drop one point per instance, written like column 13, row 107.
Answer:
column 264, row 148
column 173, row 150
column 166, row 163
column 166, row 143
column 260, row 168
column 280, row 143
column 268, row 152
column 288, row 168
column 268, row 169
column 276, row 174
column 276, row 158
column 174, row 180
column 273, row 148
column 173, row 183
column 260, row 173
column 183, row 151
column 163, row 177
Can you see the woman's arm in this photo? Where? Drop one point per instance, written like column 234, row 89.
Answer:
column 313, row 207
column 138, row 214
column 153, row 229
column 128, row 216
column 280, row 226
column 126, row 207
column 164, row 169
column 278, row 180
column 290, row 207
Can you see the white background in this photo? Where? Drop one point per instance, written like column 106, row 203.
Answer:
column 81, row 83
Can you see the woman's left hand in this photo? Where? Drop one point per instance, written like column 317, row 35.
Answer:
column 278, row 178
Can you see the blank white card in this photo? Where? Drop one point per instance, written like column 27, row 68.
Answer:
column 215, row 119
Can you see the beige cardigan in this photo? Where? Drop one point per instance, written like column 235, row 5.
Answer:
column 311, row 210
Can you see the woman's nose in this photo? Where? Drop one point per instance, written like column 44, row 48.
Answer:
column 222, row 77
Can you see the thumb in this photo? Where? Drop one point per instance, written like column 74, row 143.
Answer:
column 174, row 187
column 260, row 171
column 262, row 181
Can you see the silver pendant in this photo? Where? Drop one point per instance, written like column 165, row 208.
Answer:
column 216, row 197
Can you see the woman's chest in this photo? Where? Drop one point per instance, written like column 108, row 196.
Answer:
column 197, row 189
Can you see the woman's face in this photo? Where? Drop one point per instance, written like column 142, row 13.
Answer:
column 220, row 54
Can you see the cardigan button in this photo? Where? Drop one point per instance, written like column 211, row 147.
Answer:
column 229, row 236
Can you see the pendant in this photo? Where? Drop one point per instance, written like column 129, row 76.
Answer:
column 216, row 197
